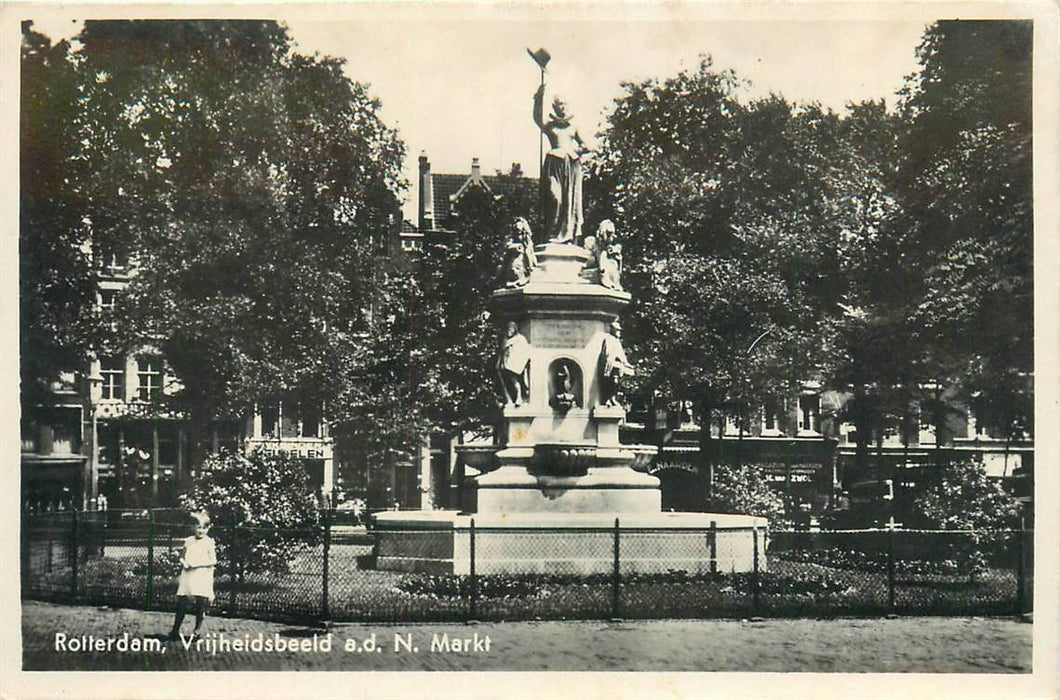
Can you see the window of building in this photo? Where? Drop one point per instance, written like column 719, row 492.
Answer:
column 63, row 439
column 106, row 300
column 30, row 436
column 310, row 420
column 289, row 419
column 809, row 413
column 771, row 418
column 149, row 377
column 113, row 371
column 270, row 419
column 113, row 261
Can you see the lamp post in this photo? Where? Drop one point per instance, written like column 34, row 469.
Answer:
column 94, row 381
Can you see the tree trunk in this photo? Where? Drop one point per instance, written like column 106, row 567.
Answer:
column 739, row 442
column 861, row 423
column 706, row 447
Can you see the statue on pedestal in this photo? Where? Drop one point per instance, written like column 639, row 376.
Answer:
column 519, row 256
column 565, row 374
column 561, row 171
column 513, row 366
column 605, row 255
column 613, row 365
column 611, row 266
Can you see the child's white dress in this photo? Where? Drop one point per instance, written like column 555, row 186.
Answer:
column 201, row 556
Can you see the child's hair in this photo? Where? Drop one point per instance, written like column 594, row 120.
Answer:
column 201, row 518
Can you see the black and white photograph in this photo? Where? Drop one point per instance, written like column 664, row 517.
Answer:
column 625, row 337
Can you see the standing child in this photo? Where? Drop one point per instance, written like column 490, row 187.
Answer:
column 196, row 577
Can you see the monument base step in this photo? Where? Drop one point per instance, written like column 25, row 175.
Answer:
column 439, row 542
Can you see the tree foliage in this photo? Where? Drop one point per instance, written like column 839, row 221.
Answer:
column 966, row 180
column 262, row 506
column 456, row 338
column 253, row 189
column 57, row 322
column 965, row 498
column 745, row 489
column 254, row 185
column 747, row 225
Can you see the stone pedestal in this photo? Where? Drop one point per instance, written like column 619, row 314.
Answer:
column 551, row 491
column 439, row 542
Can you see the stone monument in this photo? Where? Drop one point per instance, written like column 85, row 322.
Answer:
column 557, row 478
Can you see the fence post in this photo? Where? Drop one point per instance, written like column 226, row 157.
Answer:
column 73, row 551
column 712, row 545
column 616, row 576
column 150, row 597
column 473, row 607
column 1021, row 574
column 890, row 568
column 754, row 572
column 233, row 548
column 325, row 614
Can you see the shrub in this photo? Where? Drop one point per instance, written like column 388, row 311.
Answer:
column 746, row 490
column 509, row 586
column 965, row 498
column 874, row 562
column 261, row 505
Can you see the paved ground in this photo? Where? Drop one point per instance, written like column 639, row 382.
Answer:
column 941, row 645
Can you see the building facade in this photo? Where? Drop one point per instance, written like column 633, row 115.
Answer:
column 103, row 438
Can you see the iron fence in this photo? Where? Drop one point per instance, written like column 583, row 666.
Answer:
column 328, row 572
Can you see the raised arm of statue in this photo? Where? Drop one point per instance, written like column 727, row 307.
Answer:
column 539, row 107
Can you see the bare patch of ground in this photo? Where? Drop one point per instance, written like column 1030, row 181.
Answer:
column 935, row 645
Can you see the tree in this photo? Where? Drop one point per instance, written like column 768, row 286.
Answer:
column 457, row 336
column 737, row 218
column 965, row 178
column 263, row 506
column 254, row 187
column 57, row 321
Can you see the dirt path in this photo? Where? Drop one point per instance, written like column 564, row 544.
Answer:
column 940, row 645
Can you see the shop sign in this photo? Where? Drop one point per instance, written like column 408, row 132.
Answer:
column 293, row 448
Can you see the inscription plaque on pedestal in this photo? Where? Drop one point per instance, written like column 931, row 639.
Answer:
column 562, row 333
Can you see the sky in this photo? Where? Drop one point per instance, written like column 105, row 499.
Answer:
column 457, row 83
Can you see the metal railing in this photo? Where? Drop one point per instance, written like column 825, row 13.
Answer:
column 324, row 573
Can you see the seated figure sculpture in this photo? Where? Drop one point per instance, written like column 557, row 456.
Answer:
column 605, row 256
column 611, row 266
column 519, row 256
column 595, row 244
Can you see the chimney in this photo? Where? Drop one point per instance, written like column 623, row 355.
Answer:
column 426, row 200
column 476, row 170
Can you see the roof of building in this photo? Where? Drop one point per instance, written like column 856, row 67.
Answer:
column 448, row 187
